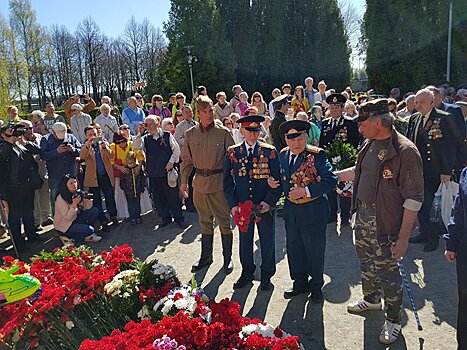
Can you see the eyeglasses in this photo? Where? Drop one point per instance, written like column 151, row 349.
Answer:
column 139, row 98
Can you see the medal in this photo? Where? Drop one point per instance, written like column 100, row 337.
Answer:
column 382, row 154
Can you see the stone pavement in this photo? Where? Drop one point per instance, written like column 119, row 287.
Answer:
column 326, row 326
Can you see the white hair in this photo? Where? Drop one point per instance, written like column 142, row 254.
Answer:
column 105, row 105
column 38, row 113
column 427, row 92
column 308, row 79
column 106, row 98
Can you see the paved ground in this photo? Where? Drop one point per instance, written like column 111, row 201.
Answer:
column 326, row 326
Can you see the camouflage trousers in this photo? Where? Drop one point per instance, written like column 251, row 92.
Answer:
column 379, row 271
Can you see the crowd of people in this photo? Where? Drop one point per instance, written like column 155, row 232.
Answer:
column 212, row 158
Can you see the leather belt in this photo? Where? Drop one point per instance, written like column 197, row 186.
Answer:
column 208, row 172
column 302, row 200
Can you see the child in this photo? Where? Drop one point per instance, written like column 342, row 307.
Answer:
column 133, row 186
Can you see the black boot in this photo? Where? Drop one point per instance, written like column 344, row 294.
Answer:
column 206, row 253
column 227, row 242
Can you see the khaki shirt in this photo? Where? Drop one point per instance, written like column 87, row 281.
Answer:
column 205, row 151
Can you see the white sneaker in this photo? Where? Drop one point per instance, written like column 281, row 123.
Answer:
column 363, row 305
column 92, row 238
column 66, row 241
column 389, row 333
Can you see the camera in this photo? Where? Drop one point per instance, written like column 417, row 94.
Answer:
column 18, row 129
column 97, row 139
column 200, row 89
column 82, row 194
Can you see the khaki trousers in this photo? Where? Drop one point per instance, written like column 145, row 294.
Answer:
column 212, row 206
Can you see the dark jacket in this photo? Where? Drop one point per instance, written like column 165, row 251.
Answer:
column 59, row 164
column 248, row 180
column 346, row 131
column 132, row 184
column 400, row 184
column 277, row 138
column 456, row 238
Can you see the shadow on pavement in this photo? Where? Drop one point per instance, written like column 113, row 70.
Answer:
column 261, row 303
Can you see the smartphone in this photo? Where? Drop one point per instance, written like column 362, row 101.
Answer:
column 200, row 90
column 97, row 139
column 65, row 143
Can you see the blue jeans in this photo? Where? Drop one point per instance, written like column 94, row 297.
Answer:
column 104, row 185
column 83, row 225
column 134, row 207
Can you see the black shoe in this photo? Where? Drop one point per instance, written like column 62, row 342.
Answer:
column 332, row 219
column 47, row 222
column 105, row 228
column 289, row 293
column 431, row 245
column 164, row 223
column 138, row 221
column 265, row 284
column 36, row 238
column 227, row 243
column 38, row 228
column 114, row 221
column 317, row 296
column 243, row 281
column 182, row 224
column 418, row 239
column 190, row 208
column 228, row 267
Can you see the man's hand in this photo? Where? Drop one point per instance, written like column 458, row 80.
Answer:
column 265, row 207
column 123, row 169
column 234, row 210
column 140, row 129
column 169, row 166
column 297, row 192
column 64, row 148
column 450, row 256
column 75, row 98
column 399, row 247
column 445, row 178
column 137, row 170
column 184, row 190
column 272, row 182
column 86, row 97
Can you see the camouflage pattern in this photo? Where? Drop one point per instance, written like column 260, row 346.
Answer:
column 379, row 272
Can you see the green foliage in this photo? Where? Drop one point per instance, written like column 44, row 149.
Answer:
column 407, row 43
column 58, row 255
column 341, row 155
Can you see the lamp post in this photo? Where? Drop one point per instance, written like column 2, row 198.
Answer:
column 191, row 59
column 448, row 61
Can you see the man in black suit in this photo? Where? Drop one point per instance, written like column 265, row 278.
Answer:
column 338, row 128
column 432, row 131
column 459, row 122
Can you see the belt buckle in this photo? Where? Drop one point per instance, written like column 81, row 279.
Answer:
column 205, row 172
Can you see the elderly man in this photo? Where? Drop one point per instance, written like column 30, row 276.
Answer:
column 236, row 90
column 310, row 91
column 205, row 148
column 462, row 95
column 132, row 115
column 107, row 121
column 79, row 121
column 180, row 134
column 86, row 107
column 306, row 177
column 338, row 128
column 59, row 150
column 388, row 193
column 432, row 131
column 248, row 166
column 281, row 104
column 51, row 117
column 42, row 210
column 408, row 110
column 162, row 152
column 275, row 93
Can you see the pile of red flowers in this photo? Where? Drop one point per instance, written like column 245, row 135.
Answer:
column 245, row 213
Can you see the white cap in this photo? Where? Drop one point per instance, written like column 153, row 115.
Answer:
column 76, row 106
column 59, row 129
column 172, row 177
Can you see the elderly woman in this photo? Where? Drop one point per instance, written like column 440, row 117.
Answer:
column 37, row 120
column 107, row 122
column 229, row 124
column 243, row 105
column 222, row 108
column 313, row 133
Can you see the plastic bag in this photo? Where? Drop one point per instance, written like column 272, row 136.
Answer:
column 449, row 191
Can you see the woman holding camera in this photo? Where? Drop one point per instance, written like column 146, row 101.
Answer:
column 74, row 214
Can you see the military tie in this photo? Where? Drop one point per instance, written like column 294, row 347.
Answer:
column 292, row 161
column 250, row 153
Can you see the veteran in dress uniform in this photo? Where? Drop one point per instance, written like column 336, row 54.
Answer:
column 433, row 132
column 280, row 104
column 306, row 177
column 338, row 128
column 248, row 166
column 205, row 148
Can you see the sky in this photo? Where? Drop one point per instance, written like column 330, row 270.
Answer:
column 110, row 15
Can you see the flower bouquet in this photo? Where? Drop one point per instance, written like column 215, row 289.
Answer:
column 245, row 213
column 342, row 155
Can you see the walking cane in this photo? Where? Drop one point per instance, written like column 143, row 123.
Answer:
column 407, row 287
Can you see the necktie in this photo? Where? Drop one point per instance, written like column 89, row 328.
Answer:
column 292, row 161
column 250, row 153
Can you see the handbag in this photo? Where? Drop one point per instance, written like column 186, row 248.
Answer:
column 449, row 191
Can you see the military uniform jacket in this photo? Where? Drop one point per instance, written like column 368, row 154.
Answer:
column 277, row 138
column 311, row 169
column 436, row 143
column 346, row 130
column 247, row 179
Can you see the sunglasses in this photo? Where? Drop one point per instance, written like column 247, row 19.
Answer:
column 139, row 98
column 179, row 98
column 120, row 142
column 124, row 129
column 178, row 115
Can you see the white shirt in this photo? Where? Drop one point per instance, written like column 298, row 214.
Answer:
column 423, row 120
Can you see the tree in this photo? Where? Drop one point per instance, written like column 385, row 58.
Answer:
column 196, row 23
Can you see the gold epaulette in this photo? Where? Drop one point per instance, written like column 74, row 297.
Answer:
column 236, row 145
column 313, row 149
column 265, row 145
column 285, row 149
